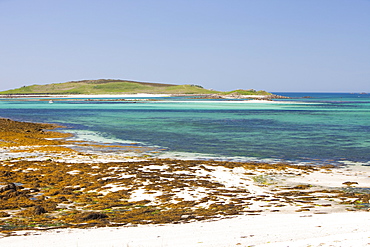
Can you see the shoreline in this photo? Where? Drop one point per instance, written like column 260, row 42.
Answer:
column 147, row 95
column 58, row 187
column 81, row 95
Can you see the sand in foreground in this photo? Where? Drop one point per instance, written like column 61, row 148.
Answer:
column 338, row 229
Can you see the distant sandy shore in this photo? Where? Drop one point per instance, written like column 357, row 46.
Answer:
column 139, row 95
column 85, row 95
column 148, row 97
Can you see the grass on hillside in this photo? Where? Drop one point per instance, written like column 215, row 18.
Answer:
column 119, row 86
column 247, row 92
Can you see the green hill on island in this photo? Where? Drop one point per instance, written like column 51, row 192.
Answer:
column 109, row 86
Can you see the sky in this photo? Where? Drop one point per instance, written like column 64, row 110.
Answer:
column 272, row 45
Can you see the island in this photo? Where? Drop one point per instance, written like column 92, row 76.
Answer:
column 121, row 87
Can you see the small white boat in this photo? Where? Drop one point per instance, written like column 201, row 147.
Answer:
column 51, row 102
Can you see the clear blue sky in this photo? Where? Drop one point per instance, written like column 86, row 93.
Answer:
column 273, row 45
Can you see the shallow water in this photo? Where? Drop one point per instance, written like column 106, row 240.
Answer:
column 325, row 128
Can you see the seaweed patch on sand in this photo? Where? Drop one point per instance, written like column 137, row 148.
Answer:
column 40, row 141
column 94, row 191
column 18, row 136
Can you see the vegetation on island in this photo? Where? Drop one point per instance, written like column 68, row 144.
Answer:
column 111, row 86
column 247, row 92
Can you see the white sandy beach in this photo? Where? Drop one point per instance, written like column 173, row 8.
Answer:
column 139, row 95
column 91, row 95
column 337, row 229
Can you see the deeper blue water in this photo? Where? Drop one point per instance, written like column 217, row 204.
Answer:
column 312, row 127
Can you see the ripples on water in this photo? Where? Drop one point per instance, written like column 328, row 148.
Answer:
column 325, row 128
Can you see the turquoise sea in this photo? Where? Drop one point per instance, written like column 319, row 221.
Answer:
column 310, row 127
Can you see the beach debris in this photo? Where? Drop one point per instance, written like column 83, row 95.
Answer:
column 349, row 183
column 10, row 186
column 92, row 216
column 38, row 210
column 4, row 214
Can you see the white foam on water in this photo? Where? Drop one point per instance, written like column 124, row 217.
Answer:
column 355, row 163
column 91, row 136
column 200, row 156
column 163, row 152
